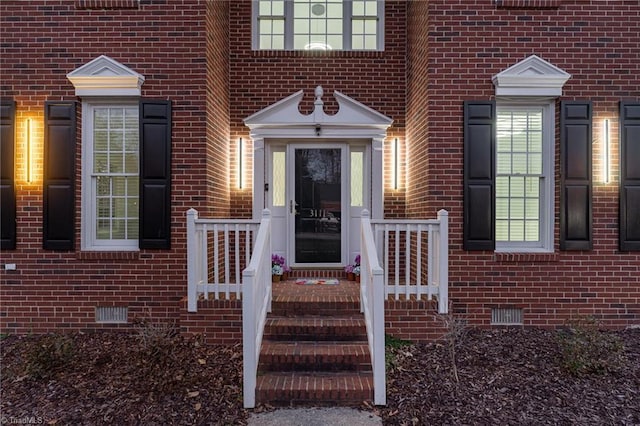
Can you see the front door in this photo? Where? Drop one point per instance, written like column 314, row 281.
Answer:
column 316, row 204
column 316, row 193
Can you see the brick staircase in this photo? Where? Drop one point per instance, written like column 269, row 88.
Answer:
column 314, row 350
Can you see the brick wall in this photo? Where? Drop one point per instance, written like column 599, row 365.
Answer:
column 260, row 78
column 470, row 41
column 42, row 41
column 198, row 54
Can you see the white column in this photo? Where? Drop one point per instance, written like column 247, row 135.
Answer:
column 258, row 177
column 377, row 178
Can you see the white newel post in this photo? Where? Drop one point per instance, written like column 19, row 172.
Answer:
column 192, row 256
column 249, row 339
column 443, row 262
column 379, row 380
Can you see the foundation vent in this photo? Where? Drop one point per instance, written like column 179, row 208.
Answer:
column 112, row 314
column 506, row 316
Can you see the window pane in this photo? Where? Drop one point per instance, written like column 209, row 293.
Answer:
column 535, row 164
column 118, row 229
column 503, row 163
column 100, row 162
column 279, row 179
column 502, row 186
column 502, row 208
column 357, row 178
column 118, row 186
column 532, row 230
column 370, row 42
column 116, row 163
column 132, row 229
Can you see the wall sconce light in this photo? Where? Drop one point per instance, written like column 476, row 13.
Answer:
column 606, row 146
column 28, row 155
column 240, row 164
column 396, row 163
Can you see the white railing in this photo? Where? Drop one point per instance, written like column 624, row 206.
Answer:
column 256, row 303
column 415, row 257
column 372, row 305
column 217, row 249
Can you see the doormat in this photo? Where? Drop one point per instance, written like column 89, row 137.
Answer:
column 317, row 281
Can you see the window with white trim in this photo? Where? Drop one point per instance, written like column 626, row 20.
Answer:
column 111, row 181
column 318, row 24
column 524, row 177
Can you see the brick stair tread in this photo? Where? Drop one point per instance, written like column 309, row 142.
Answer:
column 316, row 328
column 318, row 307
column 314, row 356
column 298, row 388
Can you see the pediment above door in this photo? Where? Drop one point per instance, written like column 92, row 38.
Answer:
column 284, row 120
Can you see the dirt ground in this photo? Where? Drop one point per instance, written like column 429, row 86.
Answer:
column 154, row 377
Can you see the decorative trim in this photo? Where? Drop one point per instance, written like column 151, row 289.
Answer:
column 528, row 4
column 318, row 53
column 107, row 255
column 283, row 119
column 104, row 76
column 532, row 76
column 107, row 4
column 525, row 257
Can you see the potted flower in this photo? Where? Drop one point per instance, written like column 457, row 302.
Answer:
column 276, row 273
column 350, row 275
column 353, row 270
column 278, row 267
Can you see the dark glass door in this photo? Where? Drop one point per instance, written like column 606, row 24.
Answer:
column 318, row 205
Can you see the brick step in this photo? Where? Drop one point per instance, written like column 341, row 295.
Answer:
column 293, row 388
column 314, row 356
column 338, row 328
column 336, row 306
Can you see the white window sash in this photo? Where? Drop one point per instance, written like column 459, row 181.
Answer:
column 347, row 18
column 546, row 197
column 89, row 240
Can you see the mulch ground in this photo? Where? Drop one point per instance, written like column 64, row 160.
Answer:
column 509, row 376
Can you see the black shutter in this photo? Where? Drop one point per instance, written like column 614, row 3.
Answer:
column 7, row 175
column 630, row 176
column 155, row 174
column 59, row 175
column 576, row 175
column 479, row 175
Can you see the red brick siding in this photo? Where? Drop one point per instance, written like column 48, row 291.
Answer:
column 218, row 144
column 42, row 41
column 258, row 79
column 469, row 42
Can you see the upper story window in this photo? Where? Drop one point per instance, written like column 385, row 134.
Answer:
column 318, row 25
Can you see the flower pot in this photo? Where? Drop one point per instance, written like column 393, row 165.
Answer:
column 358, row 278
column 275, row 278
column 351, row 276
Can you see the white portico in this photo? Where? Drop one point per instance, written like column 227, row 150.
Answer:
column 316, row 173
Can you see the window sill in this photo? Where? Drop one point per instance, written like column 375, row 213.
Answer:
column 507, row 257
column 108, row 255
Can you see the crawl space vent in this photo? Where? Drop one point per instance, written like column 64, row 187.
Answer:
column 111, row 314
column 506, row 316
